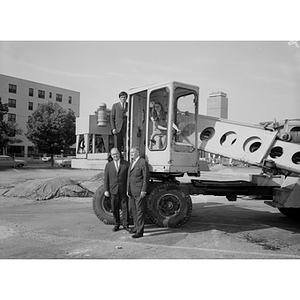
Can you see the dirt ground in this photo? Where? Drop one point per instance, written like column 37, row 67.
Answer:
column 66, row 229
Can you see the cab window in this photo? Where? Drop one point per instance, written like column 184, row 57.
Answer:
column 158, row 123
column 184, row 126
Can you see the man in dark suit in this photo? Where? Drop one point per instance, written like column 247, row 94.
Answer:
column 115, row 184
column 118, row 121
column 137, row 186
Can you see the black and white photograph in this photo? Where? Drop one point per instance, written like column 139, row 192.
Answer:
column 172, row 155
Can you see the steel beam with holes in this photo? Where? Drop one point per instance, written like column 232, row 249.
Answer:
column 243, row 142
column 286, row 156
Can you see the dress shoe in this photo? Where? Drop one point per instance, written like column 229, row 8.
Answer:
column 137, row 235
column 127, row 228
column 116, row 228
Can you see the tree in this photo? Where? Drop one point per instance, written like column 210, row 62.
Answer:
column 8, row 129
column 51, row 128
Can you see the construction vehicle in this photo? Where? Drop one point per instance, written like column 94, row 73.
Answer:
column 174, row 153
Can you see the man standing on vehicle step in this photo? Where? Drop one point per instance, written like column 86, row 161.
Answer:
column 118, row 122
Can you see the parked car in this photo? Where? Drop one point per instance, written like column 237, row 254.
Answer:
column 46, row 158
column 64, row 161
column 8, row 162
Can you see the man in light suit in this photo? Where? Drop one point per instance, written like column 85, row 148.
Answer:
column 115, row 184
column 137, row 186
column 118, row 121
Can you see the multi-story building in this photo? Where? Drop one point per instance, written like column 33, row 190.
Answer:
column 23, row 97
column 217, row 105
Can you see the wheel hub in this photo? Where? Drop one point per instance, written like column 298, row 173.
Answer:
column 168, row 205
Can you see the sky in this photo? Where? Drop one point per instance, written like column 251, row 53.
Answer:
column 261, row 78
column 100, row 48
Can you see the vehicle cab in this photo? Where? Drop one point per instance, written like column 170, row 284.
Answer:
column 162, row 122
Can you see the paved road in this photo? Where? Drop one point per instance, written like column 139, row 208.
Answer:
column 68, row 228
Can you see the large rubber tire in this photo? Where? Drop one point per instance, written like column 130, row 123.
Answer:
column 102, row 207
column 168, row 205
column 292, row 213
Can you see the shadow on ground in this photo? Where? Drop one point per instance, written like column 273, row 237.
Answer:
column 229, row 219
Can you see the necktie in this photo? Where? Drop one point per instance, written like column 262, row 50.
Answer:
column 132, row 164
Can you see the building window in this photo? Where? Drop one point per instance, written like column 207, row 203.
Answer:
column 41, row 94
column 30, row 105
column 58, row 97
column 32, row 151
column 12, row 103
column 12, row 88
column 70, row 99
column 15, row 150
column 31, row 92
column 11, row 117
column 50, row 95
